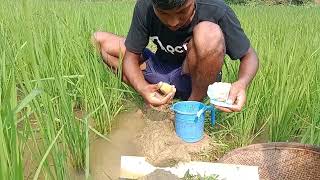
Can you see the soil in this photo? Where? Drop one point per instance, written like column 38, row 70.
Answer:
column 160, row 175
column 158, row 142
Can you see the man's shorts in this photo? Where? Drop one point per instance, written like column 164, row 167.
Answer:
column 157, row 70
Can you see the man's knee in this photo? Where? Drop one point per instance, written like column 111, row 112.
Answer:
column 99, row 37
column 96, row 40
column 109, row 42
column 208, row 39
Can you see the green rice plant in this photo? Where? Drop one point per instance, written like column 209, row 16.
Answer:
column 310, row 135
column 279, row 96
column 11, row 141
column 54, row 54
column 288, row 70
column 10, row 145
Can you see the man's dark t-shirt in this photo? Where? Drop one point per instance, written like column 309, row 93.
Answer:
column 171, row 45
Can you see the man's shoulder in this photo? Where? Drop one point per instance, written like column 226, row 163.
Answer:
column 144, row 5
column 213, row 8
column 212, row 3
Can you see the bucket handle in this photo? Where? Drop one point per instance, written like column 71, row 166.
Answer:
column 205, row 108
column 201, row 111
column 213, row 114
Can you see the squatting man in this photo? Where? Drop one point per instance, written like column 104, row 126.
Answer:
column 192, row 39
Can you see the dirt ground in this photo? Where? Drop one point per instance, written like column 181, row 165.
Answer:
column 160, row 175
column 158, row 142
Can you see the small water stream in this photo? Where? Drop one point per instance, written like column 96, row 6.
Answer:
column 105, row 156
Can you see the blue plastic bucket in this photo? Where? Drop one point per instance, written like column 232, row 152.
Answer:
column 189, row 119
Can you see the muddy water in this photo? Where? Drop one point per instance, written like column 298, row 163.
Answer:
column 105, row 156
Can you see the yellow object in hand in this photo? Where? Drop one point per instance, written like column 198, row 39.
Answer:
column 165, row 88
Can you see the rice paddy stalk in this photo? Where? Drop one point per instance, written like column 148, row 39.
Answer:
column 36, row 176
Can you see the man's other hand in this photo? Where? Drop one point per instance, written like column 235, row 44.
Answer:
column 237, row 97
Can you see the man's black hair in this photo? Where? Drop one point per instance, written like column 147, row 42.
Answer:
column 168, row 4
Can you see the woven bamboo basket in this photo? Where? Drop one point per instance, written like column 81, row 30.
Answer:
column 279, row 161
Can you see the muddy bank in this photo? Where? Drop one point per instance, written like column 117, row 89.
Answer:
column 159, row 143
column 160, row 175
column 135, row 133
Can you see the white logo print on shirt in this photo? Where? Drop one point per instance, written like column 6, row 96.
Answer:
column 169, row 48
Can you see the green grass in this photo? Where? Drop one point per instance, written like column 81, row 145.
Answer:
column 55, row 90
column 282, row 102
column 46, row 47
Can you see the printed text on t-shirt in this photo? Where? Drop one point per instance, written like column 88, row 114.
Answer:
column 169, row 48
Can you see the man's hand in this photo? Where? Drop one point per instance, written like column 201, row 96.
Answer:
column 134, row 75
column 153, row 97
column 237, row 96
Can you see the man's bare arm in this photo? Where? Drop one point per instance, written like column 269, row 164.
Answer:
column 248, row 67
column 132, row 71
